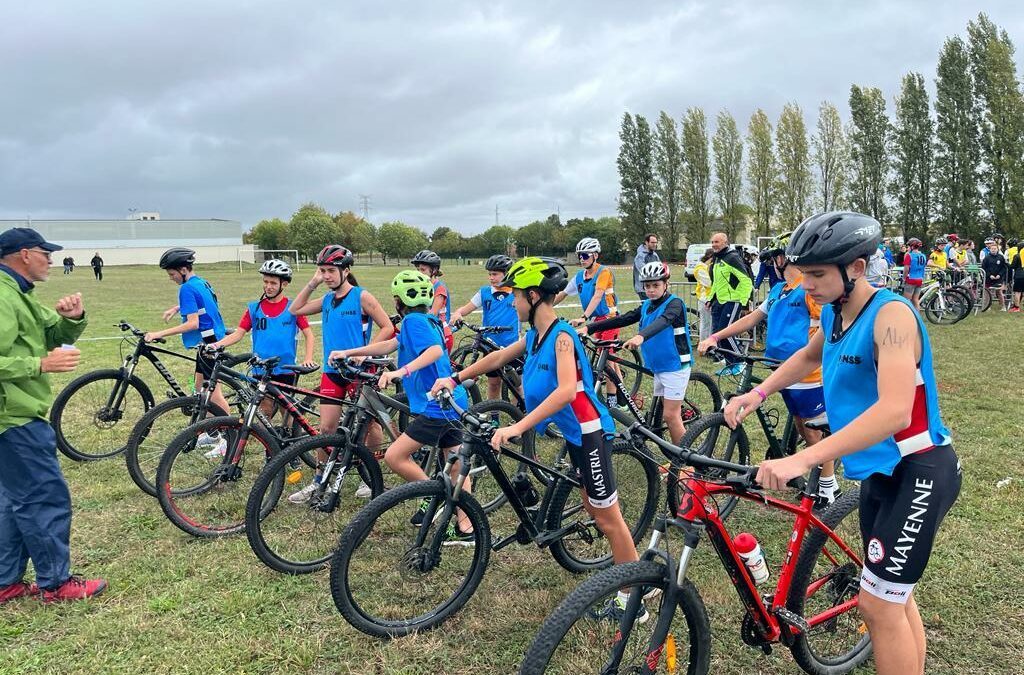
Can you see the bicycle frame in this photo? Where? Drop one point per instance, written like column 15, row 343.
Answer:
column 777, row 448
column 486, row 346
column 698, row 513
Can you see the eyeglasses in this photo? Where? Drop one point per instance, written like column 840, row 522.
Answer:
column 49, row 255
column 585, row 256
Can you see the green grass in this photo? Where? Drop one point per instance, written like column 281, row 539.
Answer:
column 177, row 604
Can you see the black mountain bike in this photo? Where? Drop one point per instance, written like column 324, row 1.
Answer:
column 94, row 414
column 390, row 578
column 480, row 346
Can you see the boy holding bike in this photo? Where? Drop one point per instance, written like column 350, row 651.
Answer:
column 559, row 389
column 422, row 359
column 792, row 316
column 663, row 341
column 886, row 428
column 498, row 310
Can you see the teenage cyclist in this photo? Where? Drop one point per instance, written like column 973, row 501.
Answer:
column 499, row 310
column 595, row 286
column 201, row 322
column 422, row 360
column 274, row 329
column 882, row 403
column 559, row 388
column 914, row 263
column 938, row 259
column 429, row 263
column 792, row 316
column 663, row 340
column 348, row 313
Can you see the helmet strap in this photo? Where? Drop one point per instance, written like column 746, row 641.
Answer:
column 848, row 285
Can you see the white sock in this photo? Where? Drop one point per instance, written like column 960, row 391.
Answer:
column 827, row 486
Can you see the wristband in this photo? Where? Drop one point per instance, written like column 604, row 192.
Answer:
column 760, row 393
column 407, row 371
column 454, row 377
column 714, row 336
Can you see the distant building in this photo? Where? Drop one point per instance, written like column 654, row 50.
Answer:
column 141, row 238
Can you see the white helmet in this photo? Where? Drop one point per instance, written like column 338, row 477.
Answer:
column 588, row 245
column 655, row 271
column 277, row 268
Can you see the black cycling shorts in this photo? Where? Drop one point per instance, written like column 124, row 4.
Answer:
column 594, row 461
column 434, row 431
column 204, row 364
column 899, row 517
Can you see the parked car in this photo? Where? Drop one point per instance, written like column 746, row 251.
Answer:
column 694, row 252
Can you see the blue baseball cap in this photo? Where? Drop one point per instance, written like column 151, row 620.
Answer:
column 17, row 238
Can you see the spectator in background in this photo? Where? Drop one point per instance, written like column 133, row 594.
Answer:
column 996, row 271
column 887, row 252
column 731, row 288
column 914, row 263
column 35, row 504
column 877, row 271
column 766, row 271
column 702, row 273
column 951, row 240
column 645, row 253
column 97, row 266
column 67, row 265
column 969, row 257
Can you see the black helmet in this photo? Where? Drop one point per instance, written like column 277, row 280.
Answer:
column 334, row 255
column 1012, row 241
column 174, row 258
column 834, row 238
column 997, row 235
column 498, row 263
column 426, row 257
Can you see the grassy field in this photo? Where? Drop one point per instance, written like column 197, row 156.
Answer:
column 177, row 604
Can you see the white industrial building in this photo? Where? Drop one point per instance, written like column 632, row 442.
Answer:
column 140, row 239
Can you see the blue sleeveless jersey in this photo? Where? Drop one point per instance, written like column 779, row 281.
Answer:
column 344, row 325
column 195, row 296
column 500, row 312
column 417, row 333
column 273, row 335
column 917, row 265
column 850, row 376
column 668, row 350
column 789, row 322
column 587, row 288
column 540, row 378
column 446, row 313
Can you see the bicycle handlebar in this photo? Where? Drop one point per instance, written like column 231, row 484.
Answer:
column 481, row 330
column 770, row 362
column 746, row 474
column 358, row 370
column 137, row 332
column 478, row 424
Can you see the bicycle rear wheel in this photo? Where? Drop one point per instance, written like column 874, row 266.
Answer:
column 579, row 635
column 825, row 578
column 703, row 396
column 390, row 578
column 299, row 538
column 711, row 437
column 585, row 548
column 201, row 491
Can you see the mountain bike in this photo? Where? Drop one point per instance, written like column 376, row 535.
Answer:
column 94, row 414
column 390, row 578
column 943, row 303
column 481, row 345
column 812, row 610
column 300, row 538
column 205, row 493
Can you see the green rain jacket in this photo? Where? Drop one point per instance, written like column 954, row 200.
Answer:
column 28, row 331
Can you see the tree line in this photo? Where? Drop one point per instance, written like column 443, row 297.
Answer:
column 955, row 166
column 312, row 227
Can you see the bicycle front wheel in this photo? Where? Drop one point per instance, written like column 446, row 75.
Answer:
column 390, row 578
column 826, row 578
column 703, row 397
column 297, row 535
column 95, row 413
column 154, row 433
column 582, row 632
column 206, row 474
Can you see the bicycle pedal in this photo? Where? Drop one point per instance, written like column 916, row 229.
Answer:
column 792, row 619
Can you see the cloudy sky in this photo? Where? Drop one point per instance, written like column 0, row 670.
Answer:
column 437, row 110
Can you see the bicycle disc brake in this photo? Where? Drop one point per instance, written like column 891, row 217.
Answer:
column 416, row 562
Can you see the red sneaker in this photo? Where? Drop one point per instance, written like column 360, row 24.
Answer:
column 75, row 588
column 16, row 590
column 1015, row 309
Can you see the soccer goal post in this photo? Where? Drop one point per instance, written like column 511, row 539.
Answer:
column 261, row 255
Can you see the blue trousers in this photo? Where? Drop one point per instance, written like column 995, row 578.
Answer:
column 723, row 314
column 35, row 507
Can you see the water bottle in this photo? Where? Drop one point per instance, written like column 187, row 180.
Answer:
column 525, row 490
column 750, row 552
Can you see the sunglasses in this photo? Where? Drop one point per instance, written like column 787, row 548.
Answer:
column 585, row 256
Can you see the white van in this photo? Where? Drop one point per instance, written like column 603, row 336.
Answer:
column 694, row 252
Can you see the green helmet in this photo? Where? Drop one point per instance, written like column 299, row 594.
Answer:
column 547, row 274
column 412, row 288
column 776, row 246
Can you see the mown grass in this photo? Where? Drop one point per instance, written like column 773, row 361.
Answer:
column 177, row 604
